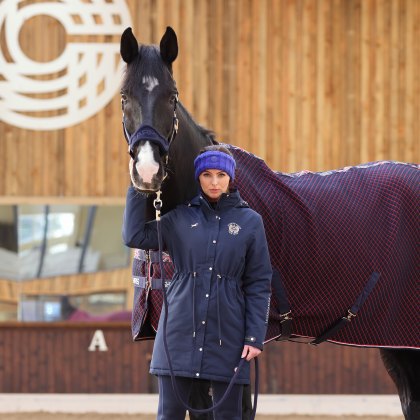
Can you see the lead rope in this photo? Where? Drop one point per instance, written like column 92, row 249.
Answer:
column 158, row 206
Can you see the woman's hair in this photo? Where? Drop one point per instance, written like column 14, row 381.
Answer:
column 216, row 148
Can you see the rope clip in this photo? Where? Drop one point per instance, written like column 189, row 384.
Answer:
column 157, row 203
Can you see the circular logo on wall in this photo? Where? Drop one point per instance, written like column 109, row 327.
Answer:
column 80, row 81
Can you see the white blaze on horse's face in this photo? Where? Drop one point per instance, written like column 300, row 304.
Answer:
column 150, row 82
column 146, row 165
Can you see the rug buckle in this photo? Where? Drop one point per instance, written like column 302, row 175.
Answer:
column 350, row 315
column 285, row 317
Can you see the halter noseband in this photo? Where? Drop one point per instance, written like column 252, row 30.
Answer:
column 148, row 133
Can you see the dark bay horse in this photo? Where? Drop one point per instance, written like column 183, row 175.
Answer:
column 337, row 239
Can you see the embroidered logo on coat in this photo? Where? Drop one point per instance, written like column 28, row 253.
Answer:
column 234, row 228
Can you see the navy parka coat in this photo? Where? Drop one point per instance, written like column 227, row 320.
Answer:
column 218, row 299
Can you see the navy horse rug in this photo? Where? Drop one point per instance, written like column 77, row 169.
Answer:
column 344, row 246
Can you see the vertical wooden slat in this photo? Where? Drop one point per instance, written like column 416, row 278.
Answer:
column 243, row 77
column 322, row 116
column 402, row 78
column 308, row 30
column 274, row 39
column 410, row 68
column 365, row 39
column 377, row 85
column 270, row 87
column 393, row 87
column 415, row 48
column 262, row 98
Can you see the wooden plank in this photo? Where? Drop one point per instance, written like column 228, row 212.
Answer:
column 262, row 97
column 243, row 76
column 323, row 116
column 412, row 67
column 275, row 40
column 415, row 156
column 365, row 80
column 308, row 31
column 402, row 75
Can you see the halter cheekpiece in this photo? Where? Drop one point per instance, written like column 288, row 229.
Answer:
column 148, row 133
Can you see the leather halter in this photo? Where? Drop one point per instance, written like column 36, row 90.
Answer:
column 149, row 133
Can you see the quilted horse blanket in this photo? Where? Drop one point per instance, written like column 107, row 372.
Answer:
column 329, row 233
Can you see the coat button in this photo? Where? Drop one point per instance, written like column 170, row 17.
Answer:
column 207, row 295
column 203, row 322
column 210, row 268
column 214, row 241
column 197, row 374
column 200, row 349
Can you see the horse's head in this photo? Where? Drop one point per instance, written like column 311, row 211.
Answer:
column 149, row 98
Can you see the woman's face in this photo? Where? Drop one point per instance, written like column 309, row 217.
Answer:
column 214, row 183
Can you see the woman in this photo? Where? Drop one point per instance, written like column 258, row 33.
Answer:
column 218, row 298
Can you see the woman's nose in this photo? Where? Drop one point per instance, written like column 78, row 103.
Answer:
column 214, row 180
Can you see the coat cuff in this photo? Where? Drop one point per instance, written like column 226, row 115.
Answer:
column 252, row 341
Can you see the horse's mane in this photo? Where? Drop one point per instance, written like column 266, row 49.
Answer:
column 209, row 134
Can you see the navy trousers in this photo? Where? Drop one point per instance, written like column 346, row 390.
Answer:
column 171, row 409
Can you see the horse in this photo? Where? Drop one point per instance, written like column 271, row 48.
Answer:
column 346, row 249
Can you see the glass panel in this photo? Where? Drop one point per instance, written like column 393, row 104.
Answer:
column 43, row 241
column 98, row 307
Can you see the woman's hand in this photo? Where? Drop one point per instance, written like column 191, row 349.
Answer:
column 250, row 352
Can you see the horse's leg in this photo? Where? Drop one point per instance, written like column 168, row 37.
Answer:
column 403, row 366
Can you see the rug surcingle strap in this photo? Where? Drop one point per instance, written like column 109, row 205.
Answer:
column 283, row 306
column 351, row 313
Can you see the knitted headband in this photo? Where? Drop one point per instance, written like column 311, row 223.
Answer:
column 213, row 159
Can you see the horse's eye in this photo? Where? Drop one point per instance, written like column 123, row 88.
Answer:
column 123, row 98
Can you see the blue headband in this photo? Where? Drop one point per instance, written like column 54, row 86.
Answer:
column 213, row 159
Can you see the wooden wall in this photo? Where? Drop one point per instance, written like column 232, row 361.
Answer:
column 47, row 358
column 306, row 84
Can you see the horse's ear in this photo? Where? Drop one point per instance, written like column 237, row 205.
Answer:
column 129, row 48
column 169, row 46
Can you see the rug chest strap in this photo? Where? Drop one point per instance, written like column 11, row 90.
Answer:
column 283, row 306
column 351, row 313
column 144, row 283
column 149, row 257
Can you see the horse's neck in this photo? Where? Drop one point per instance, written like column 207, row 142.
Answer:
column 181, row 184
column 193, row 136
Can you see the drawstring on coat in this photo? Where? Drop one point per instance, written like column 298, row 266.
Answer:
column 193, row 305
column 218, row 310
